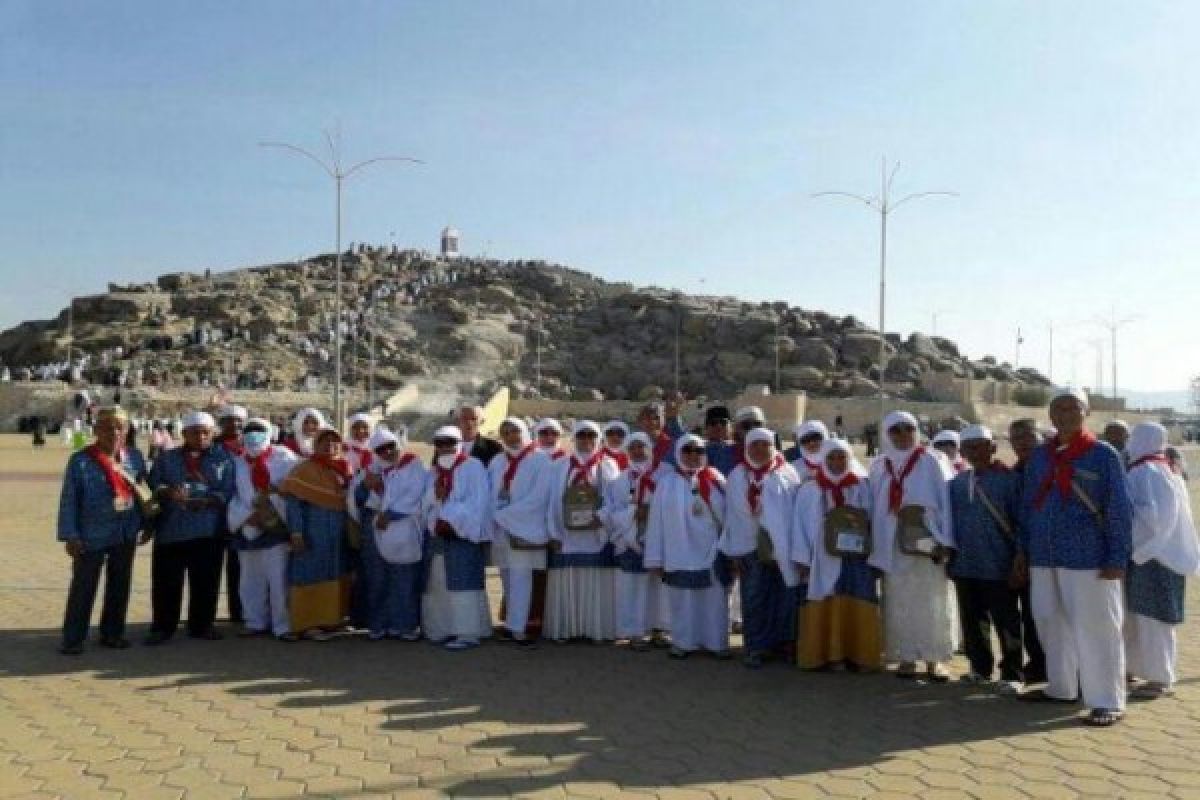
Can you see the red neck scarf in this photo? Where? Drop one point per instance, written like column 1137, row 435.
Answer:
column 706, row 481
column 340, row 467
column 580, row 472
column 645, row 486
column 259, row 475
column 120, row 487
column 896, row 487
column 444, row 478
column 234, row 445
column 514, row 462
column 813, row 466
column 755, row 477
column 1062, row 466
column 618, row 456
column 1153, row 458
column 837, row 488
column 402, row 462
column 191, row 464
column 364, row 453
column 662, row 448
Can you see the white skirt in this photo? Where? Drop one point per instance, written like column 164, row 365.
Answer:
column 446, row 614
column 920, row 616
column 699, row 618
column 579, row 603
column 641, row 605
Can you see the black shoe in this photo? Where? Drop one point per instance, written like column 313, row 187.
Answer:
column 156, row 638
column 71, row 649
column 115, row 642
column 211, row 635
column 526, row 643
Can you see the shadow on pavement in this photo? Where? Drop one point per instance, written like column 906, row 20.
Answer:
column 575, row 712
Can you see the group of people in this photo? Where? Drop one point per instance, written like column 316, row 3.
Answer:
column 1075, row 557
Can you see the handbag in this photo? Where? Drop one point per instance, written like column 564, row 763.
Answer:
column 847, row 533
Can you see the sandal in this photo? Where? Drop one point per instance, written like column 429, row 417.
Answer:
column 1151, row 691
column 1040, row 696
column 1103, row 717
column 907, row 671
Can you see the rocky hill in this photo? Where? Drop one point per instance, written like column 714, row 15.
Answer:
column 465, row 325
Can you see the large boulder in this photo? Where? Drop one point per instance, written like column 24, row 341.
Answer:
column 921, row 345
column 811, row 352
column 807, row 378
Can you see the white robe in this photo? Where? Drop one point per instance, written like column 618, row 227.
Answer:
column 580, row 601
column 464, row 614
column 739, row 536
column 641, row 599
column 679, row 540
column 524, row 514
column 808, row 533
column 920, row 615
column 403, row 493
column 280, row 461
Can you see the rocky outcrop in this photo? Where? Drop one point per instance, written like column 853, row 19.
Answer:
column 542, row 328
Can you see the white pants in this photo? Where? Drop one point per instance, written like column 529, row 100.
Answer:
column 1078, row 620
column 640, row 605
column 452, row 615
column 518, row 597
column 1150, row 649
column 263, row 588
column 699, row 618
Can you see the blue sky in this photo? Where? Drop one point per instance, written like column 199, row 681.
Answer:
column 670, row 143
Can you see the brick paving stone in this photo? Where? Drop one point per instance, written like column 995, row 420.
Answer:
column 241, row 718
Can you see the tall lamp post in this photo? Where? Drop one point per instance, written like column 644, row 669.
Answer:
column 334, row 169
column 883, row 205
column 1114, row 324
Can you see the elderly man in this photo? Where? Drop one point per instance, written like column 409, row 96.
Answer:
column 231, row 419
column 98, row 524
column 652, row 420
column 719, row 450
column 193, row 483
column 1078, row 540
column 474, row 443
column 1116, row 433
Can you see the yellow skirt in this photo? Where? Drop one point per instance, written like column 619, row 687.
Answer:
column 840, row 628
column 319, row 605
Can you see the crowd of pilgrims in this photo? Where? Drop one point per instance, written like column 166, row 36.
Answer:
column 1073, row 559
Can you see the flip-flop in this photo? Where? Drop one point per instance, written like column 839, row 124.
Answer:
column 1102, row 717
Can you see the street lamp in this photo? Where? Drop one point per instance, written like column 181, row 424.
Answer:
column 1114, row 324
column 333, row 168
column 883, row 205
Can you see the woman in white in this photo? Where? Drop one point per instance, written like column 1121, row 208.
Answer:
column 805, row 455
column 520, row 481
column 840, row 623
column 305, row 425
column 579, row 590
column 263, row 584
column 686, row 515
column 641, row 609
column 455, row 511
column 920, row 619
column 386, row 498
column 1165, row 553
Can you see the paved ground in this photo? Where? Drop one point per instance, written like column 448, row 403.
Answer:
column 353, row 719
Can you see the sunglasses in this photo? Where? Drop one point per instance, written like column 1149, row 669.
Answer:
column 585, row 435
column 812, row 438
column 445, row 442
column 902, row 429
column 692, row 449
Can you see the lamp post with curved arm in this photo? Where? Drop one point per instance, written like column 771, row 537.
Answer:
column 883, row 205
column 333, row 168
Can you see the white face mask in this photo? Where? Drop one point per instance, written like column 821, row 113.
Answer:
column 257, row 443
column 447, row 461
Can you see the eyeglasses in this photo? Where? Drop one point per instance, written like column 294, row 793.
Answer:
column 445, row 442
column 902, row 429
column 812, row 438
column 585, row 435
column 692, row 449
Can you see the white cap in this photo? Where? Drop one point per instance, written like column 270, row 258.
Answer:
column 361, row 416
column 946, row 437
column 381, row 438
column 974, row 432
column 199, row 419
column 231, row 410
column 448, row 432
column 750, row 412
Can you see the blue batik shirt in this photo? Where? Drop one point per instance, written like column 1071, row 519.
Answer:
column 85, row 508
column 180, row 524
column 984, row 550
column 722, row 456
column 1063, row 532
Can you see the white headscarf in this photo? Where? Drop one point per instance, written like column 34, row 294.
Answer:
column 807, row 428
column 684, row 441
column 1163, row 529
column 616, row 425
column 758, row 435
column 645, row 440
column 382, row 437
column 586, row 426
column 548, row 424
column 520, row 425
column 808, row 526
column 853, row 465
column 890, row 421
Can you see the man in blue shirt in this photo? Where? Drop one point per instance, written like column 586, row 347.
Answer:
column 983, row 504
column 718, row 442
column 1024, row 437
column 98, row 524
column 194, row 483
column 1077, row 539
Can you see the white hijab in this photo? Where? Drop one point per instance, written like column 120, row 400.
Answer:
column 1163, row 529
column 306, row 445
column 808, row 537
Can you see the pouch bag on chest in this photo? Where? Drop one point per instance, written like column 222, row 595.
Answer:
column 913, row 534
column 847, row 533
column 580, row 502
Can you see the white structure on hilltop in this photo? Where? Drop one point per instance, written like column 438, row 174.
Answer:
column 450, row 238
